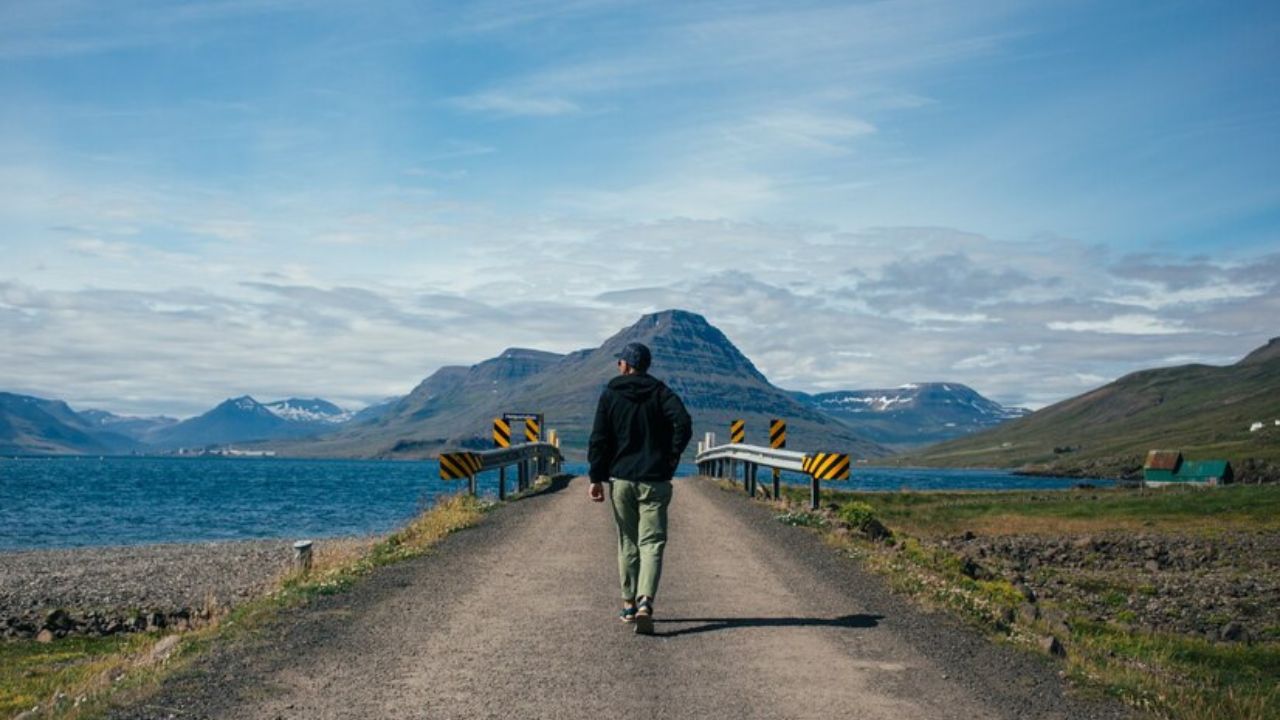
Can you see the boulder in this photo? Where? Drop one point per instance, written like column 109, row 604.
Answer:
column 1052, row 646
column 57, row 620
column 1233, row 632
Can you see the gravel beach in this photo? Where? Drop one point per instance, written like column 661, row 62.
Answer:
column 105, row 590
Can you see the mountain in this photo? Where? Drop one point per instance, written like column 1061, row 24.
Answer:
column 313, row 410
column 141, row 429
column 426, row 418
column 375, row 411
column 243, row 419
column 915, row 414
column 1205, row 411
column 456, row 405
column 32, row 425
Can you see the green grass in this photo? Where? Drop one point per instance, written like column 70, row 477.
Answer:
column 1242, row 507
column 31, row 673
column 1182, row 677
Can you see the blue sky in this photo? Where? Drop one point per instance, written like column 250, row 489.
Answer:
column 203, row 199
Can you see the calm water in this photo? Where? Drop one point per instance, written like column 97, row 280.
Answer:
column 69, row 502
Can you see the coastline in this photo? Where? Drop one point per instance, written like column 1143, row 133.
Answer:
column 107, row 590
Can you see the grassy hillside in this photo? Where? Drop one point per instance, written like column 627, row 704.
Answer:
column 1204, row 411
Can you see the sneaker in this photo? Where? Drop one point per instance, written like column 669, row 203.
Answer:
column 644, row 616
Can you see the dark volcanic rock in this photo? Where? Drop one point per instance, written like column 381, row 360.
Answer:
column 1226, row 586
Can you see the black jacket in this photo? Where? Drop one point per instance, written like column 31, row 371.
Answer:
column 640, row 431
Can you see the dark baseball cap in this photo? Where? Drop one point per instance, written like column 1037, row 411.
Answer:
column 636, row 355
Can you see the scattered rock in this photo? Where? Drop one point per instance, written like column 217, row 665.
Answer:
column 1233, row 632
column 1052, row 646
column 1028, row 612
column 45, row 636
column 58, row 619
column 876, row 530
column 109, row 590
column 162, row 650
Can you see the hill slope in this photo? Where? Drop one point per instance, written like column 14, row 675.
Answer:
column 32, row 425
column 1202, row 410
column 455, row 406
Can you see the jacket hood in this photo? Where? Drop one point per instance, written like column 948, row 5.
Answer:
column 636, row 388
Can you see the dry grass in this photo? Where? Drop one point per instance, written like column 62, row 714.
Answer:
column 75, row 678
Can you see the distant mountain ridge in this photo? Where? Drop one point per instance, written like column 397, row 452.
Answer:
column 455, row 406
column 141, row 429
column 244, row 419
column 914, row 414
column 32, row 425
column 1207, row 412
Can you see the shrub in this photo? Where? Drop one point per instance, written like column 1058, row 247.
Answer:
column 861, row 517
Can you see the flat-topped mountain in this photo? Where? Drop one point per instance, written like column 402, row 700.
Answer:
column 915, row 414
column 456, row 406
column 1205, row 411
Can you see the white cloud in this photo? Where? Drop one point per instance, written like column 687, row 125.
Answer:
column 1122, row 325
column 502, row 103
column 787, row 131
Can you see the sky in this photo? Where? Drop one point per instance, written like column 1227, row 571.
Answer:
column 206, row 199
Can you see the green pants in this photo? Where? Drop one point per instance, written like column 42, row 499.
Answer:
column 640, row 511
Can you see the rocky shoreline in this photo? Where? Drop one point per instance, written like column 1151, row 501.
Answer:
column 47, row 594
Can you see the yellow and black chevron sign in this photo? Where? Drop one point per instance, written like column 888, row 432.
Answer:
column 827, row 466
column 454, row 466
column 501, row 433
column 532, row 432
column 738, row 431
column 777, row 434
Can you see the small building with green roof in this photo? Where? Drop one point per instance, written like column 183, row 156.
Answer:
column 1167, row 467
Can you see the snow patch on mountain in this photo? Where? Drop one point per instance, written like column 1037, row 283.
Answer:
column 313, row 410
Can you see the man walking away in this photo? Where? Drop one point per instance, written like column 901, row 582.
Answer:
column 640, row 431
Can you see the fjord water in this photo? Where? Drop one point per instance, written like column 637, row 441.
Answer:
column 82, row 501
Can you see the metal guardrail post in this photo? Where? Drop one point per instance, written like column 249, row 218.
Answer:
column 528, row 458
column 723, row 461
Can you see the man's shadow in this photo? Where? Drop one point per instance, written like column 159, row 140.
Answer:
column 711, row 624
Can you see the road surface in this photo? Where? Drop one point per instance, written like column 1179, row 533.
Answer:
column 517, row 619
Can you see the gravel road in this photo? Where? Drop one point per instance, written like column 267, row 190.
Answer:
column 516, row 619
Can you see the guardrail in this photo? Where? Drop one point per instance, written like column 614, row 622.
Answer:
column 530, row 459
column 723, row 461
